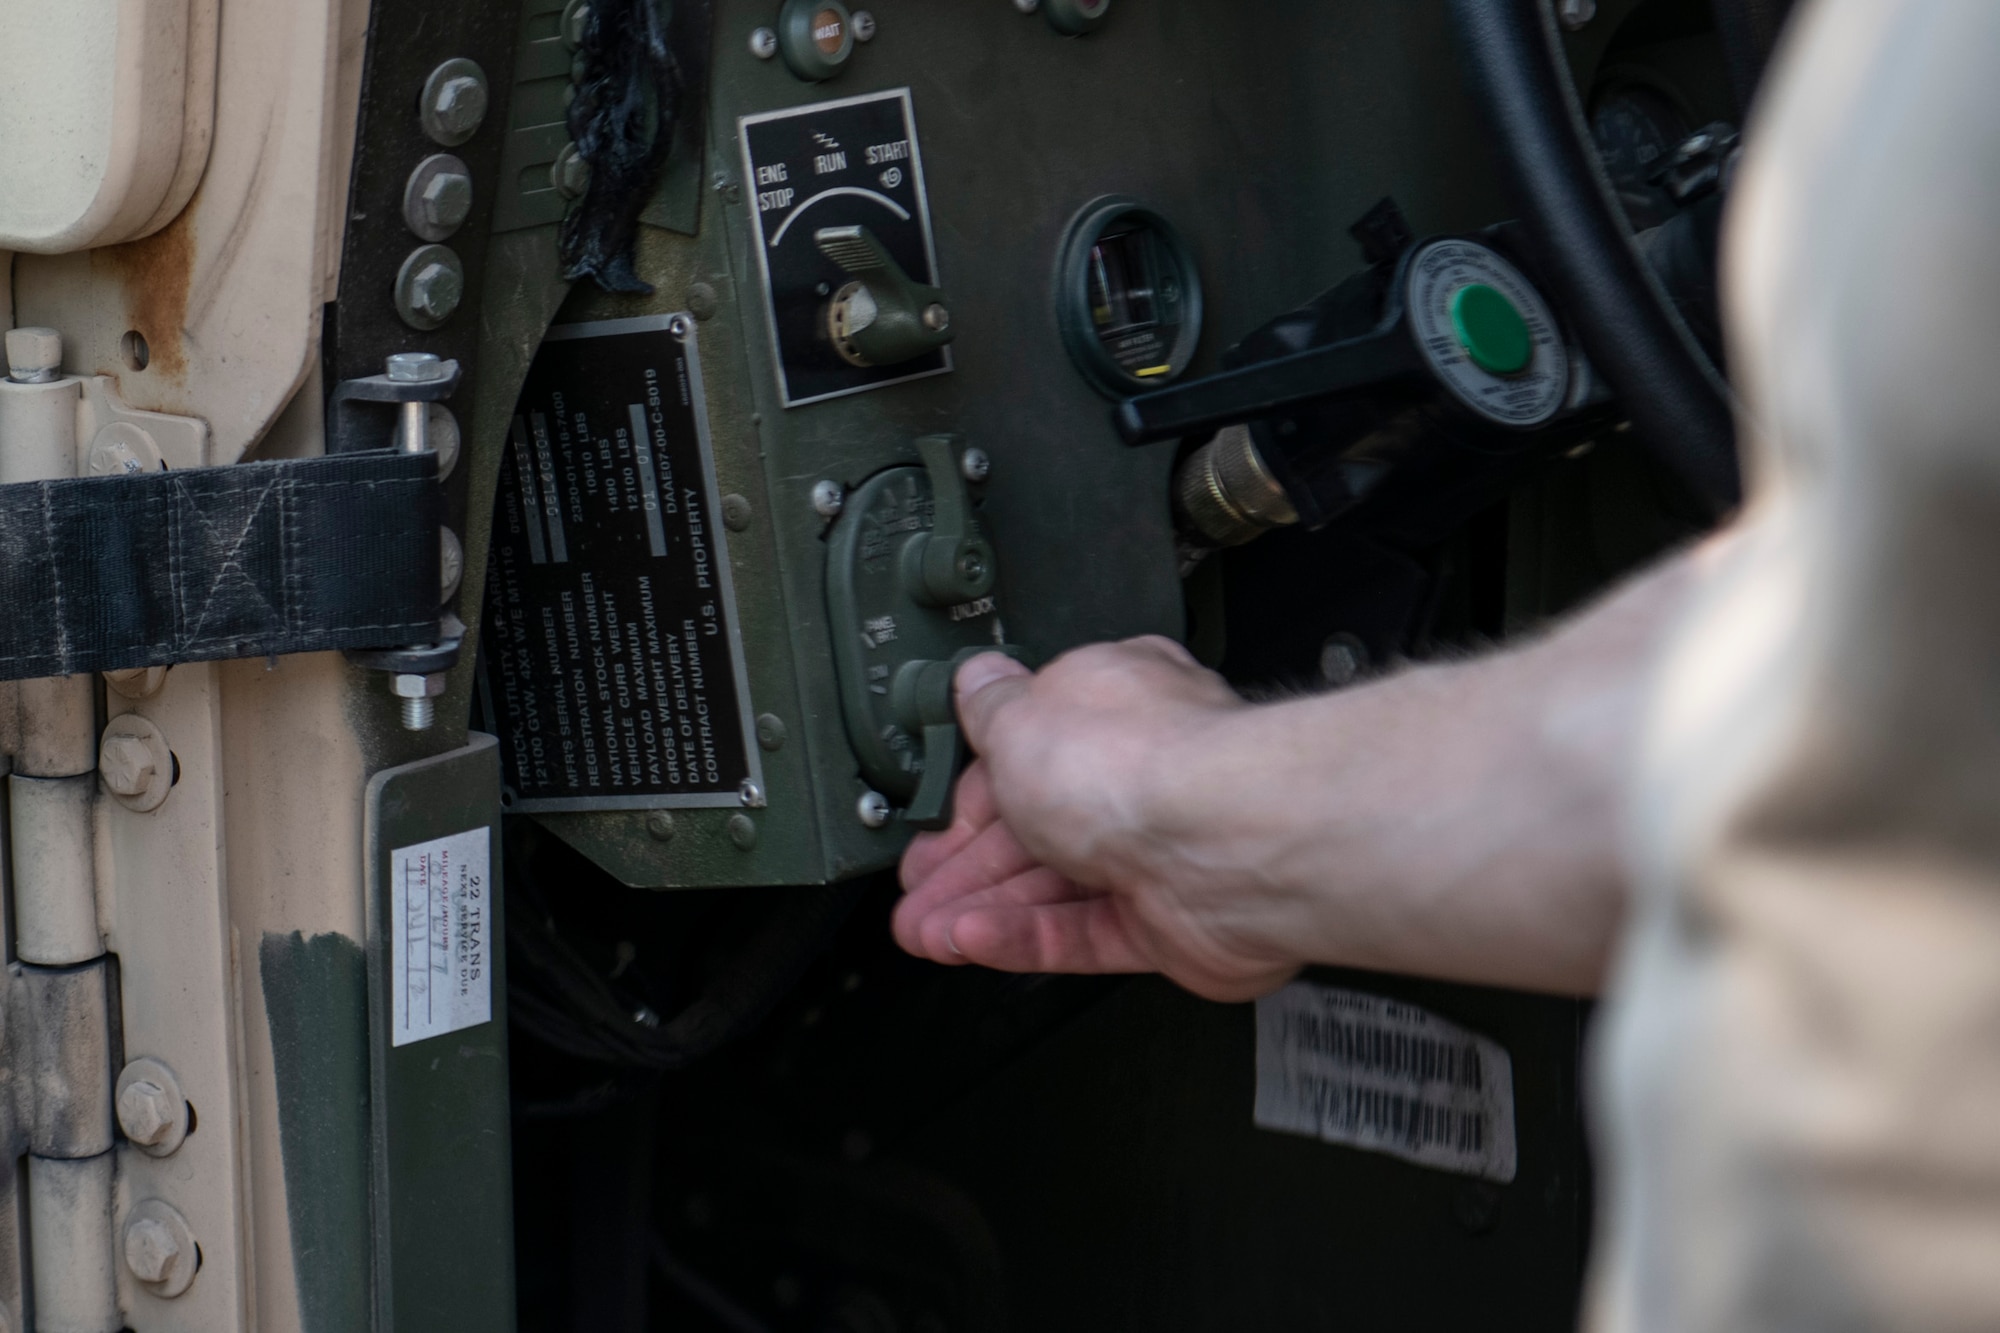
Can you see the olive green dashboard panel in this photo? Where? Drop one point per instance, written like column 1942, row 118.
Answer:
column 937, row 216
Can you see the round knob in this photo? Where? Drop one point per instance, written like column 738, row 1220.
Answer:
column 816, row 38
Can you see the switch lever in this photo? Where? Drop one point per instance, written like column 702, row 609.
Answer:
column 883, row 316
column 921, row 699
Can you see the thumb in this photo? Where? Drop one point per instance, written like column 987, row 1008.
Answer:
column 985, row 685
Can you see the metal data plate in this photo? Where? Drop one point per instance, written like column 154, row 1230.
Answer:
column 613, row 659
column 834, row 164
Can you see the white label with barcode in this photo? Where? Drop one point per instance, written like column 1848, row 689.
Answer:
column 1385, row 1076
column 440, row 946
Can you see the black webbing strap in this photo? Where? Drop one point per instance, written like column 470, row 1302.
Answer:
column 198, row 565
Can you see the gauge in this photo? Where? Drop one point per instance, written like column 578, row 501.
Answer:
column 1128, row 297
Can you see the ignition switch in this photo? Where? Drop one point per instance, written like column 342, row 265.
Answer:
column 909, row 592
column 883, row 316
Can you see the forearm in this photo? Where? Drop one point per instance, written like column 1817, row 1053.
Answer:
column 1462, row 820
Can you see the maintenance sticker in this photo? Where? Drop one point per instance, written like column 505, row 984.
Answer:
column 1384, row 1076
column 612, row 662
column 440, row 948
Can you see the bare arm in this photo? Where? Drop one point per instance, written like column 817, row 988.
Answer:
column 1130, row 813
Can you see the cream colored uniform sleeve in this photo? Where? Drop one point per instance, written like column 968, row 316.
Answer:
column 1799, row 1069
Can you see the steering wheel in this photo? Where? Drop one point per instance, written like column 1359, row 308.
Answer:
column 1678, row 402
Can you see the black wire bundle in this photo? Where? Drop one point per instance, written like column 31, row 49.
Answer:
column 556, row 995
column 628, row 93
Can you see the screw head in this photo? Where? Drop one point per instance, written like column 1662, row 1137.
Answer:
column 764, row 43
column 743, row 832
column 702, row 300
column 771, row 732
column 446, row 201
column 873, row 810
column 1027, row 6
column 126, row 765
column 736, row 513
column 570, row 173
column 975, row 466
column 436, row 291
column 660, row 826
column 936, row 318
column 415, row 367
column 863, row 25
column 828, row 499
column 146, row 1112
column 151, row 1249
column 461, row 104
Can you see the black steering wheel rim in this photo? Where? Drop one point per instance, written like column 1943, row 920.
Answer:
column 1678, row 404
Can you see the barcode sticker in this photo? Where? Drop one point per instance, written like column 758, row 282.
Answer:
column 439, row 943
column 1384, row 1076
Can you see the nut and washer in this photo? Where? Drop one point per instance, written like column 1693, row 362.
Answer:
column 975, row 466
column 764, row 43
column 569, row 173
column 159, row 1248
column 419, row 695
column 429, row 287
column 454, row 102
column 151, row 1108
column 134, row 764
column 413, row 367
column 873, row 810
column 438, row 197
column 828, row 499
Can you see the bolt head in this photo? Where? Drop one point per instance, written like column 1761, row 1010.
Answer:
column 828, row 499
column 764, row 43
column 873, row 810
column 417, row 687
column 145, row 1112
column 461, row 104
column 436, row 291
column 570, row 173
column 414, row 367
column 126, row 765
column 151, row 1250
column 975, row 466
column 447, row 199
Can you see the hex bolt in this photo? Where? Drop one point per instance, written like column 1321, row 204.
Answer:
column 126, row 765
column 414, row 367
column 150, row 1249
column 570, row 173
column 147, row 1113
column 863, row 24
column 764, row 43
column 454, row 102
column 419, row 695
column 437, row 291
column 873, row 810
column 34, row 355
column 975, row 466
column 446, row 200
column 828, row 499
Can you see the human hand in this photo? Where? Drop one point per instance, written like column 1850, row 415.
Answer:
column 1064, row 854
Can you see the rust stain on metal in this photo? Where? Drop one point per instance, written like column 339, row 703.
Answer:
column 157, row 274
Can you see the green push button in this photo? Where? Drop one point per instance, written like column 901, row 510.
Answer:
column 1491, row 329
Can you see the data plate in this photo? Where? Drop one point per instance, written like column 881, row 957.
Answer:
column 834, row 164
column 613, row 663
